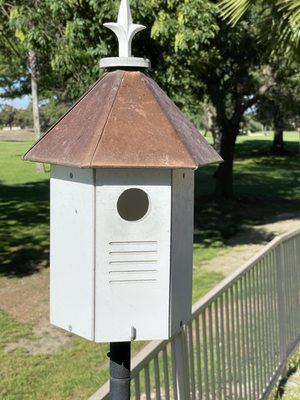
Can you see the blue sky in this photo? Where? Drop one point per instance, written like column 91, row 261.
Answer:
column 21, row 102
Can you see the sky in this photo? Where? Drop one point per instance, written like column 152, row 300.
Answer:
column 21, row 102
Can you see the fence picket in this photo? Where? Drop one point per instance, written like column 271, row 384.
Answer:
column 147, row 383
column 157, row 378
column 198, row 355
column 191, row 360
column 137, row 387
column 218, row 358
column 242, row 305
column 166, row 374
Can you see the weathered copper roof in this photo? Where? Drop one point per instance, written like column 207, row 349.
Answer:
column 125, row 120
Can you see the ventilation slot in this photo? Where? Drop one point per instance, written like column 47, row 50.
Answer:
column 133, row 262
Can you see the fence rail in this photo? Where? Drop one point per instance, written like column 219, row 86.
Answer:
column 238, row 340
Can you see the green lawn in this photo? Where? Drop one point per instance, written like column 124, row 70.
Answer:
column 290, row 389
column 265, row 186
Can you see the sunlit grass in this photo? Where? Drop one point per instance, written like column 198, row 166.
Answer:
column 14, row 171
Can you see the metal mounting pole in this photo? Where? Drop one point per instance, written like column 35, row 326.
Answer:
column 119, row 371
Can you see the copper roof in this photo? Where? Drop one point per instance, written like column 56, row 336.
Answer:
column 124, row 120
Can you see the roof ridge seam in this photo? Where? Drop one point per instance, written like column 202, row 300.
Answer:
column 108, row 115
column 170, row 122
column 65, row 114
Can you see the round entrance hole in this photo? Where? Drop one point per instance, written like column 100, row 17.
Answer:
column 133, row 204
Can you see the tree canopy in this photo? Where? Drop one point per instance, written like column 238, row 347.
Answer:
column 280, row 26
column 205, row 65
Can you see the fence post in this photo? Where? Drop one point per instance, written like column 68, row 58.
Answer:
column 180, row 365
column 281, row 305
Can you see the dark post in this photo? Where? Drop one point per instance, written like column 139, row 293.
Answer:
column 119, row 371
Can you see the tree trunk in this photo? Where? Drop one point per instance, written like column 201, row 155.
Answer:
column 278, row 144
column 216, row 134
column 224, row 174
column 35, row 104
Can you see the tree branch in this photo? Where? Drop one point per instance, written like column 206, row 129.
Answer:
column 271, row 80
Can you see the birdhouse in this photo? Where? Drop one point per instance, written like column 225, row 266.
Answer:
column 122, row 191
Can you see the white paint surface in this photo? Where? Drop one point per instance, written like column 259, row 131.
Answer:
column 125, row 62
column 111, row 278
column 72, row 250
column 125, row 30
column 133, row 258
column 182, row 248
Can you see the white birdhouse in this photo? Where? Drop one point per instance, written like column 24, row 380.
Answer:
column 122, row 191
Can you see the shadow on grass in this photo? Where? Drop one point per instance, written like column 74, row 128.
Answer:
column 24, row 228
column 267, row 190
column 261, row 148
column 267, row 187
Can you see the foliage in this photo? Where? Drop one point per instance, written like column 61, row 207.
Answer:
column 205, row 66
column 13, row 68
column 281, row 17
column 205, row 59
column 7, row 116
column 51, row 111
column 10, row 116
column 252, row 124
column 23, row 118
column 282, row 101
column 27, row 26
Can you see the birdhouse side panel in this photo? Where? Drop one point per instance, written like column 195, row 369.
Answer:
column 133, row 216
column 72, row 250
column 181, row 248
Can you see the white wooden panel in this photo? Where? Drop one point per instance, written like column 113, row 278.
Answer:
column 182, row 247
column 72, row 250
column 132, row 258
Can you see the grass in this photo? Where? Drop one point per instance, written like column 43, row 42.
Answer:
column 71, row 373
column 24, row 213
column 265, row 186
column 290, row 389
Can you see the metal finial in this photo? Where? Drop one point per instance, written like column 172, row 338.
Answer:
column 125, row 31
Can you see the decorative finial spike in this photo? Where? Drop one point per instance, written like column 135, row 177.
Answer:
column 125, row 31
column 124, row 16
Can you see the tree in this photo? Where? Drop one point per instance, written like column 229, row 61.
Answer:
column 14, row 79
column 23, row 118
column 193, row 53
column 225, row 63
column 81, row 40
column 280, row 106
column 27, row 38
column 51, row 111
column 196, row 57
column 7, row 116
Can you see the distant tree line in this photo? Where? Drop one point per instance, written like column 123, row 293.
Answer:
column 216, row 73
column 50, row 112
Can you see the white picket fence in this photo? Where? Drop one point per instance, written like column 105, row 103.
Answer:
column 239, row 338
